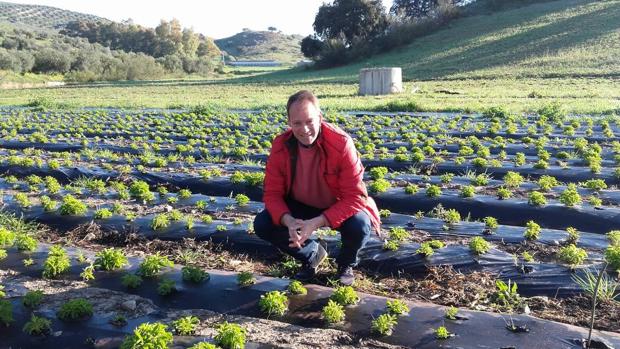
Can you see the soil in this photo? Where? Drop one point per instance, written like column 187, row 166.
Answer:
column 440, row 285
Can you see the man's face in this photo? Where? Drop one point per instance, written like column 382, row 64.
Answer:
column 305, row 121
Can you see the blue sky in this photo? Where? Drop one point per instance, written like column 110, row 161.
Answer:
column 217, row 19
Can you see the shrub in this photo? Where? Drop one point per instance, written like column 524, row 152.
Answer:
column 537, row 199
column 572, row 255
column 37, row 326
column 160, row 221
column 532, row 231
column 72, row 206
column 384, row 324
column 185, row 326
column 379, row 186
column 614, row 237
column 504, row 193
column 57, row 262
column 32, row 299
column 242, row 200
column 152, row 265
column 547, row 182
column 451, row 312
column 296, row 287
column 397, row 307
column 75, row 309
column 478, row 245
column 333, row 312
column 573, row 235
column 131, row 281
column 166, row 287
column 378, row 172
column 103, row 213
column 442, row 333
column 273, row 303
column 345, row 295
column 411, row 189
column 245, row 278
column 230, row 336
column 148, row 335
column 570, row 197
column 433, row 191
column 513, row 179
column 612, row 256
column 110, row 259
column 140, row 190
column 6, row 312
column 194, row 274
column 468, row 191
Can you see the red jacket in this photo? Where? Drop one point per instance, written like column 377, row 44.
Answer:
column 343, row 172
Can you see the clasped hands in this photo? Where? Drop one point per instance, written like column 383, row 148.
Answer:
column 300, row 230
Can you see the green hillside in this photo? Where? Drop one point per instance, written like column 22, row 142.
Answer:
column 267, row 45
column 41, row 17
column 559, row 39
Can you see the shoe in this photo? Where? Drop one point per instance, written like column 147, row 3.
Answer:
column 308, row 270
column 346, row 276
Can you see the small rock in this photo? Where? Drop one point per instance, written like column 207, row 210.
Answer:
column 526, row 309
column 129, row 305
column 57, row 333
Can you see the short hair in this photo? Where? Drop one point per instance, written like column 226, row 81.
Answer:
column 303, row 95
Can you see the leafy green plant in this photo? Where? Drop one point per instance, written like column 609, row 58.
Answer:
column 32, row 299
column 479, row 245
column 57, row 262
column 614, row 237
column 87, row 273
column 184, row 194
column 595, row 201
column 103, row 213
column 411, row 189
column 426, row 249
column 379, row 185
column 75, row 309
column 433, row 191
column 570, row 197
column 532, row 231
column 242, row 200
column 451, row 312
column 110, row 259
column 140, row 190
column 595, row 184
column 48, row 204
column 378, row 172
column 396, row 307
column 152, row 265
column 273, row 303
column 506, row 296
column 345, row 295
column 384, row 324
column 7, row 237
column 385, row 213
column 451, row 217
column 607, row 287
column 490, row 223
column 468, row 191
column 573, row 235
column 296, row 287
column 25, row 242
column 22, row 200
column 160, row 221
column 166, row 287
column 131, row 280
column 72, row 206
column 572, row 255
column 442, row 333
column 612, row 256
column 547, row 182
column 398, row 234
column 333, row 312
column 513, row 179
column 504, row 193
column 537, row 199
column 6, row 312
column 230, row 336
column 527, row 257
column 38, row 326
column 148, row 335
column 245, row 279
column 391, row 245
column 194, row 274
column 185, row 326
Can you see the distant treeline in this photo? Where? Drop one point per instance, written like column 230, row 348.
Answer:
column 113, row 51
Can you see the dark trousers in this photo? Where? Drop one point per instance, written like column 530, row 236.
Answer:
column 354, row 233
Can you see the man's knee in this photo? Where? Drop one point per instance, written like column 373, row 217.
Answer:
column 357, row 227
column 263, row 225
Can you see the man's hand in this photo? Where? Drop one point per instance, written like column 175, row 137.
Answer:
column 294, row 225
column 310, row 226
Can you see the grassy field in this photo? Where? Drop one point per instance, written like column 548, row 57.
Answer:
column 566, row 51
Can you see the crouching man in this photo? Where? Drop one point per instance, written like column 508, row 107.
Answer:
column 313, row 179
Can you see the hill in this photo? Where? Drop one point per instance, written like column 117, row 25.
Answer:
column 41, row 17
column 561, row 39
column 255, row 45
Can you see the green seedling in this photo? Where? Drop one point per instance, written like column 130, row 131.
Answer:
column 273, row 303
column 38, row 326
column 131, row 281
column 384, row 324
column 345, row 295
column 110, row 259
column 152, row 265
column 397, row 307
column 194, row 274
column 333, row 312
column 479, row 245
column 296, row 287
column 148, row 335
column 230, row 336
column 75, row 309
column 185, row 326
column 57, row 263
column 245, row 279
column 32, row 299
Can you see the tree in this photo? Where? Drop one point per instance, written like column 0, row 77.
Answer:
column 350, row 20
column 420, row 8
column 311, row 47
column 272, row 29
